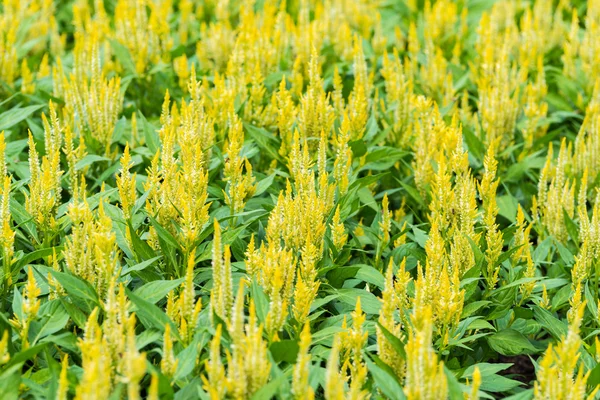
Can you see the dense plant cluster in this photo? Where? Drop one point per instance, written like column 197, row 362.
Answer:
column 338, row 199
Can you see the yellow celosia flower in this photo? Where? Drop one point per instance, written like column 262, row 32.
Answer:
column 316, row 115
column 183, row 308
column 44, row 185
column 7, row 234
column 240, row 185
column 301, row 388
column 352, row 342
column 334, row 382
column 425, row 378
column 248, row 366
column 30, row 307
column 496, row 77
column 221, row 295
column 146, row 37
column 215, row 379
column 97, row 263
column 134, row 362
column 432, row 138
column 116, row 313
column 63, row 382
column 385, row 224
column 475, row 384
column 338, row 233
column 342, row 166
column 8, row 49
column 399, row 94
column 93, row 101
column 153, row 388
column 126, row 184
column 27, row 80
column 4, row 355
column 559, row 376
column 394, row 298
column 545, row 301
column 96, row 379
column 556, row 194
column 357, row 111
column 493, row 237
column 74, row 155
column 178, row 185
column 168, row 363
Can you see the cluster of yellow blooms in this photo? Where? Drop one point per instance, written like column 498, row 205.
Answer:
column 207, row 167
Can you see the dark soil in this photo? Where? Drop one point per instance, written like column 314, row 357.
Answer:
column 522, row 369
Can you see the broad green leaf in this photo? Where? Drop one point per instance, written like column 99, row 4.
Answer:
column 122, row 54
column 393, row 340
column 385, row 381
column 284, row 350
column 268, row 391
column 53, row 323
column 369, row 303
column 76, row 286
column 509, row 342
column 140, row 247
column 140, row 266
column 554, row 326
column 150, row 315
column 154, row 291
column 12, row 117
column 89, row 160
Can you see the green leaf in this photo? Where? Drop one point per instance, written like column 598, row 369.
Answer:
column 393, row 340
column 485, row 369
column 510, row 342
column 369, row 303
column 150, row 134
column 23, row 219
column 12, row 117
column 594, row 378
column 76, row 286
column 140, row 266
column 53, row 323
column 25, row 355
column 591, row 302
column 557, row 328
column 268, row 391
column 75, row 313
column 186, row 361
column 89, row 160
column 164, row 234
column 455, row 389
column 284, row 350
column 385, row 380
column 150, row 315
column 10, row 382
column 474, row 144
column 122, row 54
column 371, row 275
column 473, row 307
column 264, row 185
column 498, row 383
column 35, row 255
column 382, row 158
column 507, row 207
column 412, row 192
column 265, row 141
column 154, row 291
column 359, row 148
column 572, row 228
column 260, row 300
column 140, row 247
